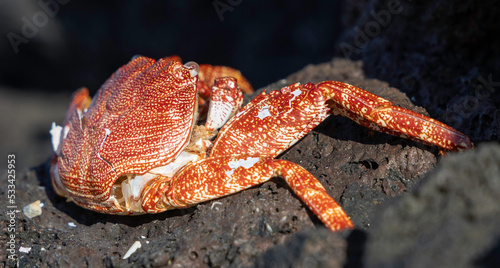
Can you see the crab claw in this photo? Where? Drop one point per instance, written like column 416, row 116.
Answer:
column 225, row 101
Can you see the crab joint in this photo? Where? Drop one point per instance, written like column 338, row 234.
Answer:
column 246, row 163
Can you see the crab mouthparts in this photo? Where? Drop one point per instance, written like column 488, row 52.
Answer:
column 129, row 189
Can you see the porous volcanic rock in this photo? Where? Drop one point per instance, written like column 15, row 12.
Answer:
column 450, row 220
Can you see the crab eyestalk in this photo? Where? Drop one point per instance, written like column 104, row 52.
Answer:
column 193, row 67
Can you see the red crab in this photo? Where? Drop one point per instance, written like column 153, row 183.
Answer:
column 137, row 147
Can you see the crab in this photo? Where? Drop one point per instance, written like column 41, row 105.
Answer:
column 137, row 147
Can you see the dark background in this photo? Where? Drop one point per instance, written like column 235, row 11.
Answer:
column 86, row 41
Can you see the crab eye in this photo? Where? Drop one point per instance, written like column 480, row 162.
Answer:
column 193, row 67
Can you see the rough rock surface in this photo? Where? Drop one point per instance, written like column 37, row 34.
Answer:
column 359, row 168
column 450, row 220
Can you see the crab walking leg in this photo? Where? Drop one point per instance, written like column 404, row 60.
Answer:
column 379, row 114
column 215, row 177
column 310, row 190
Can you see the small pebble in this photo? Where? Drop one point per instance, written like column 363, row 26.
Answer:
column 24, row 249
column 33, row 210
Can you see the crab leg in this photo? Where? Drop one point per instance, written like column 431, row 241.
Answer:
column 379, row 114
column 272, row 122
column 310, row 190
column 215, row 177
